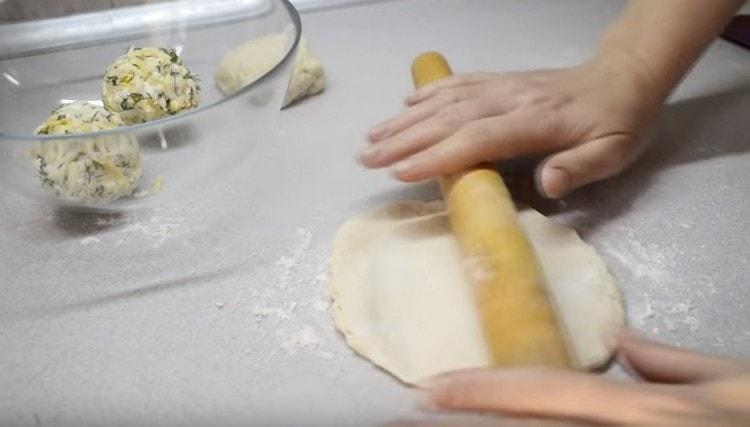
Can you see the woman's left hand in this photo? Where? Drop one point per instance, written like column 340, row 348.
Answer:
column 681, row 388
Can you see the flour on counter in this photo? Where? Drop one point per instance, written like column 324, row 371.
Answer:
column 89, row 240
column 322, row 277
column 306, row 339
column 672, row 316
column 679, row 308
column 263, row 312
column 643, row 263
column 654, row 267
column 291, row 259
column 155, row 226
column 321, row 305
column 158, row 230
column 644, row 316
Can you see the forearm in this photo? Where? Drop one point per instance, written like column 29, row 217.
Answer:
column 660, row 40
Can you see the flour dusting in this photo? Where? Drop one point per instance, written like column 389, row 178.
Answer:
column 263, row 312
column 291, row 259
column 321, row 305
column 89, row 240
column 660, row 304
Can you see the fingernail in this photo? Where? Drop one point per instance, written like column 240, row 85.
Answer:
column 554, row 182
column 377, row 133
column 403, row 167
column 369, row 153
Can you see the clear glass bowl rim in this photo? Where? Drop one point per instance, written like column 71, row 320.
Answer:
column 164, row 120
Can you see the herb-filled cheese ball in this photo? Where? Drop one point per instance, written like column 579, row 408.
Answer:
column 148, row 83
column 92, row 169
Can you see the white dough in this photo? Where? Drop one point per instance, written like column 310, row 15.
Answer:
column 251, row 60
column 402, row 300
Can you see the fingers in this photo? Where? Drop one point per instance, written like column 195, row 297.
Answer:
column 558, row 395
column 455, row 422
column 544, row 393
column 479, row 422
column 440, row 126
column 586, row 163
column 488, row 139
column 413, row 139
column 415, row 114
column 661, row 363
column 458, row 80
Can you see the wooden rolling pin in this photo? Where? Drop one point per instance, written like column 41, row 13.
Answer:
column 518, row 318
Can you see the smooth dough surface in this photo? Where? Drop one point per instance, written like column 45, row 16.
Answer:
column 251, row 60
column 402, row 300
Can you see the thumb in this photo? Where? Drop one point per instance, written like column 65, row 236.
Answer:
column 589, row 162
column 535, row 392
column 662, row 363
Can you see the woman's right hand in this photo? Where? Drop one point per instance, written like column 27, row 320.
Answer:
column 591, row 121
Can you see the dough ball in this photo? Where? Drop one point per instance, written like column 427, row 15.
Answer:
column 148, row 83
column 308, row 77
column 91, row 169
column 402, row 299
column 250, row 61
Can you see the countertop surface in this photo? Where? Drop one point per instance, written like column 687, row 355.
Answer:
column 214, row 311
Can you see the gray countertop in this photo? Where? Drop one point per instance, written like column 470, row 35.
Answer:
column 213, row 311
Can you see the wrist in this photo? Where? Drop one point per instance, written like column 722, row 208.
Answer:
column 625, row 65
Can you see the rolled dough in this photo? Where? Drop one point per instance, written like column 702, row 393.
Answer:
column 402, row 300
column 251, row 60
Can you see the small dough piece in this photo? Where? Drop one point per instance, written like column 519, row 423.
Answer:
column 148, row 83
column 402, row 299
column 250, row 61
column 91, row 169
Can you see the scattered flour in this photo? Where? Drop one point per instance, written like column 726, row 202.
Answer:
column 640, row 319
column 156, row 226
column 692, row 323
column 159, row 230
column 679, row 308
column 645, row 263
column 322, row 278
column 291, row 259
column 89, row 240
column 263, row 312
column 656, row 269
column 300, row 340
column 321, row 305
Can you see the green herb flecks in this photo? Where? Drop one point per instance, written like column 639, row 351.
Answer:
column 129, row 101
column 172, row 54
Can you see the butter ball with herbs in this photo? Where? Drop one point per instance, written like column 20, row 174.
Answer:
column 148, row 83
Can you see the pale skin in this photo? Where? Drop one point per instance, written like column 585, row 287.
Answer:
column 674, row 387
column 591, row 122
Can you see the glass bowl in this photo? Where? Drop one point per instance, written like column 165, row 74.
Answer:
column 58, row 54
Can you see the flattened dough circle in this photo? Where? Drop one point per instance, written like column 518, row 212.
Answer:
column 401, row 298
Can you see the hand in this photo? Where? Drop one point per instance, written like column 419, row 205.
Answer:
column 682, row 388
column 591, row 119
